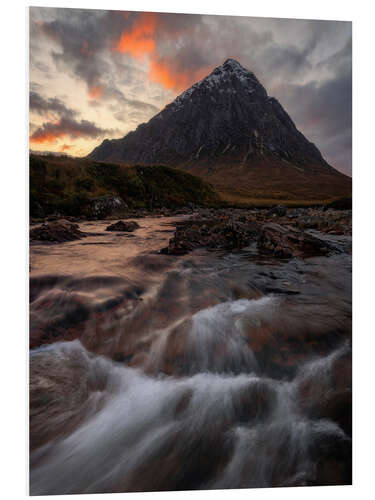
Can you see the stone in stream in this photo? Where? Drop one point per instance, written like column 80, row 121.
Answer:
column 57, row 232
column 325, row 391
column 220, row 233
column 127, row 226
column 288, row 242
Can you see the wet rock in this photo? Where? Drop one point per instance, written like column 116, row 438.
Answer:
column 57, row 232
column 288, row 242
column 60, row 384
column 324, row 390
column 56, row 315
column 332, row 454
column 254, row 402
column 220, row 233
column 127, row 226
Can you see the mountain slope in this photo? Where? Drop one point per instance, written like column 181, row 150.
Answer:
column 68, row 186
column 226, row 129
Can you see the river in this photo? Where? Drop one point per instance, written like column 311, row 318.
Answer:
column 215, row 369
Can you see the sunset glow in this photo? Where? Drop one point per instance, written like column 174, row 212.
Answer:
column 161, row 73
column 139, row 40
column 41, row 137
column 95, row 93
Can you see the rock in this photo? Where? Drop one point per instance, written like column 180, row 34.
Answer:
column 106, row 205
column 53, row 217
column 127, row 226
column 57, row 232
column 279, row 211
column 326, row 393
column 60, row 387
column 220, row 233
column 288, row 242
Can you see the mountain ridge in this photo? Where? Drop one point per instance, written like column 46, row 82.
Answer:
column 226, row 126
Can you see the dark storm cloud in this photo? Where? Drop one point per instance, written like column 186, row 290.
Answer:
column 81, row 36
column 323, row 109
column 45, row 107
column 67, row 127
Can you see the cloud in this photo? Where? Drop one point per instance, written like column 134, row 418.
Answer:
column 51, row 132
column 80, row 39
column 46, row 107
column 323, row 109
column 139, row 40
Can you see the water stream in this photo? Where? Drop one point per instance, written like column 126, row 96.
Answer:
column 210, row 370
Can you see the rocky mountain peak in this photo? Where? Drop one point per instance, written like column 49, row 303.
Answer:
column 226, row 129
column 225, row 118
column 228, row 78
column 233, row 66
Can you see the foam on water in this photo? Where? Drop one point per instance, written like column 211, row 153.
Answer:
column 144, row 418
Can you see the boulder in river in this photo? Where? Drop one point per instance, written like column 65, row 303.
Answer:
column 288, row 242
column 211, row 233
column 127, row 226
column 57, row 232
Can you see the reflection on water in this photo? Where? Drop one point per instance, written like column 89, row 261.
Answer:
column 210, row 370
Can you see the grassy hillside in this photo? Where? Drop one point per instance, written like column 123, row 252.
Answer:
column 266, row 182
column 67, row 185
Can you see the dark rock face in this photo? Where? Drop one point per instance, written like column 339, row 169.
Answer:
column 127, row 226
column 286, row 241
column 227, row 115
column 57, row 232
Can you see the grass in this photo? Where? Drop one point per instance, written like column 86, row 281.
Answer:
column 67, row 185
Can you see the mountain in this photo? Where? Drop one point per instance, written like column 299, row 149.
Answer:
column 227, row 130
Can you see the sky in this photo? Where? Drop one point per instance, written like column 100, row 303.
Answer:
column 97, row 74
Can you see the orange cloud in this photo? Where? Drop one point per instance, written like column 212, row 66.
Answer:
column 50, row 132
column 95, row 92
column 161, row 72
column 65, row 147
column 139, row 40
column 48, row 137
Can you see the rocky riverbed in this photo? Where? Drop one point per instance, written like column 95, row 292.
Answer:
column 208, row 349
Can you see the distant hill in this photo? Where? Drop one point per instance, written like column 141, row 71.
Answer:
column 68, row 185
column 227, row 130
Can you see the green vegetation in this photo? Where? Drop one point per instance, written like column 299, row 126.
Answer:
column 67, row 185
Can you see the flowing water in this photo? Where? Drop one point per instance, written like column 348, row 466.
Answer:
column 209, row 370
